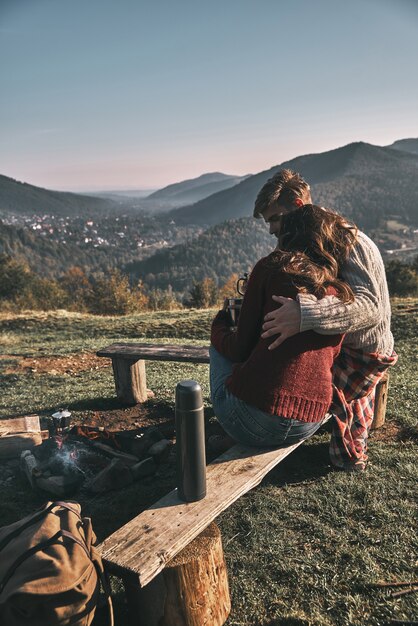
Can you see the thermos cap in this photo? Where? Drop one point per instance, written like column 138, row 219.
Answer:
column 188, row 395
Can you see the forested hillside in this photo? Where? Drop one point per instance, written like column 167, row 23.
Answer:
column 365, row 182
column 48, row 257
column 225, row 249
column 21, row 198
column 406, row 145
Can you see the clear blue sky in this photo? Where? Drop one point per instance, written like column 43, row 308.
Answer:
column 105, row 94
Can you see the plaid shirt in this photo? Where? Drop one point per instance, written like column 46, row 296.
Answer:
column 355, row 376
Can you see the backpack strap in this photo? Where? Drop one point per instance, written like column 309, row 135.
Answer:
column 98, row 564
column 36, row 517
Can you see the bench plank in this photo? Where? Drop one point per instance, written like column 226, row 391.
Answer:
column 156, row 352
column 145, row 544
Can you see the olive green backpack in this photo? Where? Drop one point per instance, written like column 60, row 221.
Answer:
column 50, row 572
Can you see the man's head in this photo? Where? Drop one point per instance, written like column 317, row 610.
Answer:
column 282, row 193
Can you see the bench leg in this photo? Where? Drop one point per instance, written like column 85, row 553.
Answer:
column 380, row 402
column 130, row 380
column 192, row 589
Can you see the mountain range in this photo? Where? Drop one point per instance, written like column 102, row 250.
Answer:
column 21, row 198
column 375, row 186
column 195, row 189
column 362, row 181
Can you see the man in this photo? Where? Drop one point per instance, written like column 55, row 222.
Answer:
column 368, row 345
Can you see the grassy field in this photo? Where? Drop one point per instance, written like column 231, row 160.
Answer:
column 305, row 547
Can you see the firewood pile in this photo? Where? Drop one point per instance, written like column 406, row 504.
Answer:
column 64, row 458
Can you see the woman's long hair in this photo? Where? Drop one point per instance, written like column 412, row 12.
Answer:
column 313, row 244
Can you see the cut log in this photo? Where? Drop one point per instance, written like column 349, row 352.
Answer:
column 380, row 402
column 130, row 380
column 192, row 589
column 26, row 424
column 128, row 459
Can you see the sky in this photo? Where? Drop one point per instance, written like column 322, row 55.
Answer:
column 138, row 94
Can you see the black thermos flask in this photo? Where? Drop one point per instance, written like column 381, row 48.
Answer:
column 190, row 441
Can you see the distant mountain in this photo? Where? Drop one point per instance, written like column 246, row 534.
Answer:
column 362, row 181
column 195, row 189
column 225, row 249
column 22, row 198
column 407, row 145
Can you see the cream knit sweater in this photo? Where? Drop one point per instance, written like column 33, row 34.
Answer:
column 366, row 321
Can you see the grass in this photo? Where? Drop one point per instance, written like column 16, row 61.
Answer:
column 302, row 549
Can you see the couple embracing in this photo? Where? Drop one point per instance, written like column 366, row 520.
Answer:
column 323, row 349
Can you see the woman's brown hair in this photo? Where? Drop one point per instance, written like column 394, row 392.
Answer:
column 313, row 244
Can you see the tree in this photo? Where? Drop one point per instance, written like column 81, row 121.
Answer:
column 402, row 279
column 162, row 300
column 43, row 294
column 112, row 295
column 229, row 288
column 14, row 277
column 78, row 288
column 203, row 294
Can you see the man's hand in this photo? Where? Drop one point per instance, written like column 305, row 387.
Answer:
column 284, row 321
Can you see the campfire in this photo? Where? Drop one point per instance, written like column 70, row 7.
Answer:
column 96, row 460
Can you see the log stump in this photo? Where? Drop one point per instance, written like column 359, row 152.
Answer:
column 380, row 401
column 130, row 380
column 192, row 590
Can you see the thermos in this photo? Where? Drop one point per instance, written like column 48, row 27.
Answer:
column 190, row 441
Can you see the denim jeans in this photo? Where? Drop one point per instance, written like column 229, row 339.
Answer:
column 245, row 423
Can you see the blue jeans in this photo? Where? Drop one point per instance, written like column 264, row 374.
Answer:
column 245, row 423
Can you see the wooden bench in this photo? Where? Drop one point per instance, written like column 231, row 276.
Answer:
column 141, row 549
column 128, row 362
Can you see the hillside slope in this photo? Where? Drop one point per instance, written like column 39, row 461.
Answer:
column 359, row 180
column 227, row 248
column 406, row 145
column 22, row 198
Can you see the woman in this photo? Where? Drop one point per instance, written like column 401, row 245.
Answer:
column 278, row 397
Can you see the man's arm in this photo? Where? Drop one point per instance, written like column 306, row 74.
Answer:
column 364, row 272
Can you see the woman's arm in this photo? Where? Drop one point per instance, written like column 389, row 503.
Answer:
column 238, row 345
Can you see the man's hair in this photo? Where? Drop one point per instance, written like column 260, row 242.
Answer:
column 283, row 188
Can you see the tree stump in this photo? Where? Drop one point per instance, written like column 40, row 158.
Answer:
column 192, row 590
column 380, row 401
column 130, row 380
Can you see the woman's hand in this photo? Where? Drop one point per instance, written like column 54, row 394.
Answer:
column 283, row 321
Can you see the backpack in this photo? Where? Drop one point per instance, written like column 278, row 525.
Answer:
column 50, row 572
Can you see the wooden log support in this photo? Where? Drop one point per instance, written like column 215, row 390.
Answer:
column 192, row 590
column 148, row 542
column 380, row 402
column 130, row 380
column 129, row 366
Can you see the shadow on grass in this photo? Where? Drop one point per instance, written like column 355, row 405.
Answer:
column 408, row 433
column 285, row 621
column 308, row 462
column 97, row 404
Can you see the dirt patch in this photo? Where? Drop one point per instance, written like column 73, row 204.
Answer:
column 57, row 365
column 389, row 432
column 149, row 414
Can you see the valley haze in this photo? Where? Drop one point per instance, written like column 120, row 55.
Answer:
column 203, row 227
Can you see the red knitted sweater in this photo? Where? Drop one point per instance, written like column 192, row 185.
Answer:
column 295, row 379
